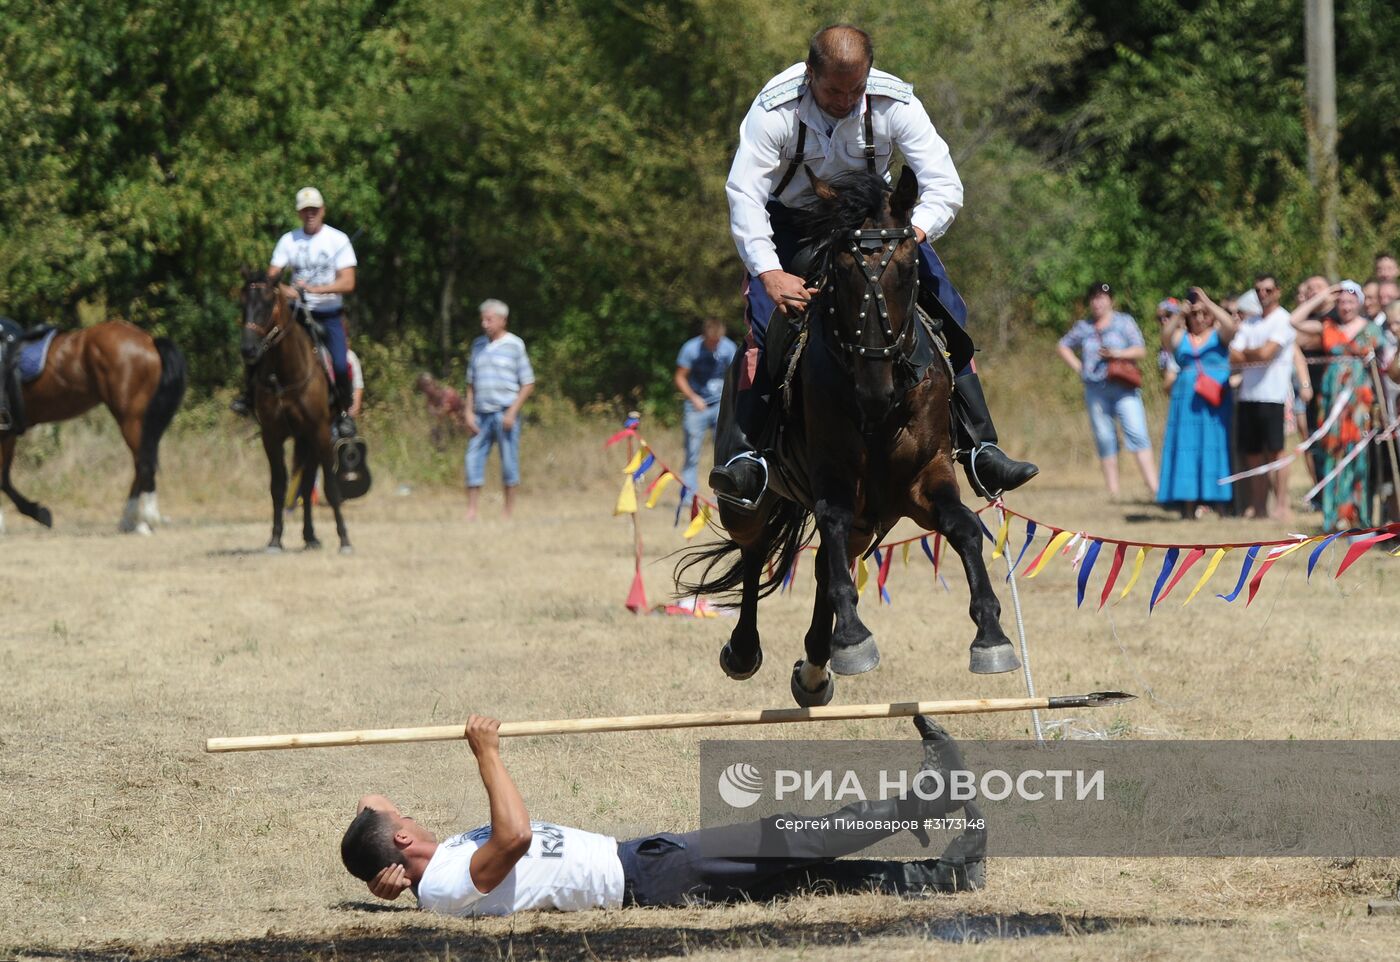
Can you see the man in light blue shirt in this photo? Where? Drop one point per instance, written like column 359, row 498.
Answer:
column 499, row 379
column 700, row 369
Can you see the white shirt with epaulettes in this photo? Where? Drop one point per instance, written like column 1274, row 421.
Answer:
column 768, row 140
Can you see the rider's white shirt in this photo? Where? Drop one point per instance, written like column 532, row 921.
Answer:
column 768, row 143
column 315, row 259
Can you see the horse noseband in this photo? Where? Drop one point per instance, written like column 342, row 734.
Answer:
column 887, row 239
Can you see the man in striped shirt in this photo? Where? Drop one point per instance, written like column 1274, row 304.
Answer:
column 499, row 379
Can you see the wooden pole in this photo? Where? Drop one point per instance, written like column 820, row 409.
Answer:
column 633, row 723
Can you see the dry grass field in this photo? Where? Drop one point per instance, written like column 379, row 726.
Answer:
column 119, row 655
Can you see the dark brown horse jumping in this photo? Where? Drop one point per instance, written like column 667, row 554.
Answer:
column 291, row 399
column 140, row 379
column 867, row 440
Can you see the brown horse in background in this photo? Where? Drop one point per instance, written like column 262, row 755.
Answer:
column 140, row 379
column 291, row 399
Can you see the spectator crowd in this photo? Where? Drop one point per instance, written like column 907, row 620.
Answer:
column 1242, row 374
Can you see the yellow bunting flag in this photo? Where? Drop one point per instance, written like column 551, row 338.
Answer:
column 636, row 461
column 626, row 499
column 697, row 522
column 1215, row 560
column 905, row 546
column 1137, row 571
column 658, row 487
column 1056, row 543
column 1000, row 545
column 862, row 576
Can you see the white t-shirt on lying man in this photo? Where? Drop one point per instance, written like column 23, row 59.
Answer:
column 566, row 869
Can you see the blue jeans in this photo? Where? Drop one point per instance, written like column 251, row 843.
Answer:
column 334, row 323
column 1112, row 406
column 492, row 431
column 696, row 423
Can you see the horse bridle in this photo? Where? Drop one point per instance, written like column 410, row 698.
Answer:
column 888, row 239
column 273, row 335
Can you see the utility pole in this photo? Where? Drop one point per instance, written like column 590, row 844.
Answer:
column 1322, row 121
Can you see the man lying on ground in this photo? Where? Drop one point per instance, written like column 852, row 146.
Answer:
column 514, row 864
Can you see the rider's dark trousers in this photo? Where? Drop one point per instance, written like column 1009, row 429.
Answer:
column 933, row 277
column 669, row 869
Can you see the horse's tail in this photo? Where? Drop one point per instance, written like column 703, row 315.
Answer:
column 161, row 411
column 785, row 533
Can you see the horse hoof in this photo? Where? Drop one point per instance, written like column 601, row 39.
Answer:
column 855, row 659
column 313, row 545
column 993, row 659
column 44, row 516
column 143, row 529
column 346, row 549
column 811, row 699
column 726, row 655
column 273, row 548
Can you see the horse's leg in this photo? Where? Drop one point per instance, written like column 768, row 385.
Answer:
column 812, row 683
column 132, row 516
column 991, row 651
column 742, row 656
column 304, row 459
column 29, row 509
column 853, row 648
column 331, row 485
column 277, row 466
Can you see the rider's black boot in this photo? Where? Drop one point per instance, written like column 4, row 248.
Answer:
column 740, row 474
column 344, row 401
column 243, row 404
column 989, row 470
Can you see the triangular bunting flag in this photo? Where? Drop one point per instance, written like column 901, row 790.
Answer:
column 1138, row 562
column 1168, row 562
column 658, row 487
column 696, row 523
column 1194, row 555
column 1249, row 557
column 1088, row 566
column 1359, row 548
column 626, row 499
column 1113, row 569
column 999, row 547
column 1215, row 560
column 637, row 597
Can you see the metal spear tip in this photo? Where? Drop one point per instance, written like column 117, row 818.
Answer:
column 1095, row 699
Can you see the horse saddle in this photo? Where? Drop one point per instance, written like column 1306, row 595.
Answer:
column 352, row 467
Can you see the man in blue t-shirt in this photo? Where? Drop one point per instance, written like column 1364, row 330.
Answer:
column 700, row 369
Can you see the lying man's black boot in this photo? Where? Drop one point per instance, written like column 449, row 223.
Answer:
column 989, row 470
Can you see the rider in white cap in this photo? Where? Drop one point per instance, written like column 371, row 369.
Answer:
column 323, row 262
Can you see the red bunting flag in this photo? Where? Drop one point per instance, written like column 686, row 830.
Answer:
column 1359, row 548
column 1113, row 570
column 637, row 597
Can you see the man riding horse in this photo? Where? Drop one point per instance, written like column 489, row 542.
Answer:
column 323, row 269
column 833, row 114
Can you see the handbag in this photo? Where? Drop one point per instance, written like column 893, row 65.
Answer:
column 1208, row 387
column 1124, row 372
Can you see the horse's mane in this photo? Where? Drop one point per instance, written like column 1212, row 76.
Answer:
column 860, row 196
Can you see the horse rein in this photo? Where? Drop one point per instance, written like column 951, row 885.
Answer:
column 887, row 239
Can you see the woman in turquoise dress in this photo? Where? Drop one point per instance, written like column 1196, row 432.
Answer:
column 1196, row 448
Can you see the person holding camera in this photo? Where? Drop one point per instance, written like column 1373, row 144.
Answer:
column 1104, row 350
column 1196, row 444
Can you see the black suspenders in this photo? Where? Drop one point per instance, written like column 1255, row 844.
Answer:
column 802, row 147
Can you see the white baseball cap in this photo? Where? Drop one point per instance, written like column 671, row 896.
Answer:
column 309, row 197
